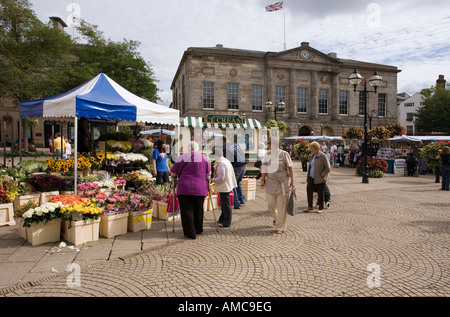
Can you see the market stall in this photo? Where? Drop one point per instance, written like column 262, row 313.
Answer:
column 395, row 151
column 100, row 207
column 100, row 98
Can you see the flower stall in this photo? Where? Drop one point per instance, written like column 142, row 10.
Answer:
column 8, row 191
column 93, row 199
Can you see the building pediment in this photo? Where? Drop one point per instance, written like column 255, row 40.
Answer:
column 305, row 53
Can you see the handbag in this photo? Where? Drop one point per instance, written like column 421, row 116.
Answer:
column 258, row 164
column 292, row 204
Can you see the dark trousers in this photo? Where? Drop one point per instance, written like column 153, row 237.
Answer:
column 311, row 188
column 191, row 210
column 162, row 177
column 225, row 204
column 239, row 197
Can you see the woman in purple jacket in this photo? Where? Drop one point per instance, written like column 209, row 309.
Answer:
column 191, row 172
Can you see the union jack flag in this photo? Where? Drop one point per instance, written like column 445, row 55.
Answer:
column 274, row 7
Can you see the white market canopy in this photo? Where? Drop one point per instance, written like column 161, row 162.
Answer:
column 420, row 138
column 154, row 131
column 200, row 122
column 315, row 138
column 100, row 98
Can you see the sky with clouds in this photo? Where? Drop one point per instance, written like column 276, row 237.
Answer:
column 412, row 35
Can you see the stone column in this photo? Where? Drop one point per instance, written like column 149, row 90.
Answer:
column 314, row 99
column 292, row 101
column 334, row 97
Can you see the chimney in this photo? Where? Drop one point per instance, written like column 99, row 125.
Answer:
column 441, row 82
column 58, row 23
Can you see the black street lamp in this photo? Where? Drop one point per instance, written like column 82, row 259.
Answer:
column 278, row 108
column 375, row 81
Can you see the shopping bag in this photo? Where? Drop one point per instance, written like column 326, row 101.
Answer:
column 231, row 199
column 170, row 205
column 292, row 205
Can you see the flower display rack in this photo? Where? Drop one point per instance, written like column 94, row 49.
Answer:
column 81, row 231
column 39, row 233
column 7, row 214
column 114, row 225
column 140, row 220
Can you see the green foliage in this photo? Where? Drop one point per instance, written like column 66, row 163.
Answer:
column 33, row 54
column 430, row 152
column 434, row 116
column 302, row 150
column 38, row 60
column 282, row 126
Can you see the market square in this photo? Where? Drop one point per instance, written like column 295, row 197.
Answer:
column 399, row 223
column 143, row 158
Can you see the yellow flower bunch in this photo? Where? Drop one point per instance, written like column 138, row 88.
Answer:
column 60, row 166
column 89, row 211
column 85, row 161
column 123, row 146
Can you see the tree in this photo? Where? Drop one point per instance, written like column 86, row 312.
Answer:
column 33, row 55
column 434, row 116
column 119, row 60
column 38, row 60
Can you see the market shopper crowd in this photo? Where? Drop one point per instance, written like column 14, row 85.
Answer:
column 192, row 175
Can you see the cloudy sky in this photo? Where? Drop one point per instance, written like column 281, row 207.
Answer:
column 412, row 35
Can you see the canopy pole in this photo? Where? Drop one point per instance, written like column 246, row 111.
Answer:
column 75, row 167
column 20, row 140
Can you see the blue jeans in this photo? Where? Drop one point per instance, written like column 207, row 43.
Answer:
column 238, row 193
column 445, row 172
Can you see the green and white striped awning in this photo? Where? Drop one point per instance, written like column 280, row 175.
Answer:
column 197, row 122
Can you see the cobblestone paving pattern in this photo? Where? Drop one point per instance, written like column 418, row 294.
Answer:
column 404, row 232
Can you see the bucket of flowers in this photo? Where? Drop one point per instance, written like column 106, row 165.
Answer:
column 114, row 216
column 80, row 219
column 43, row 223
column 9, row 189
column 376, row 167
column 140, row 212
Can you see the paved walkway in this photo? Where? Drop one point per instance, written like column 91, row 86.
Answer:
column 386, row 238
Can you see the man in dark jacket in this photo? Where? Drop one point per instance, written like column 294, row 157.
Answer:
column 236, row 156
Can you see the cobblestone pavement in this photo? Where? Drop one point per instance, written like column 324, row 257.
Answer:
column 386, row 238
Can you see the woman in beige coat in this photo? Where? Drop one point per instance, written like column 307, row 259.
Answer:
column 277, row 175
column 318, row 170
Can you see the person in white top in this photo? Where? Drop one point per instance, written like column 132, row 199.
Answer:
column 68, row 150
column 225, row 181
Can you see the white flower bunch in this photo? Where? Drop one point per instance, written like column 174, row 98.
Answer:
column 133, row 157
column 41, row 210
column 109, row 184
column 147, row 143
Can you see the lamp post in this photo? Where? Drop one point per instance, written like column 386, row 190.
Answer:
column 279, row 107
column 375, row 81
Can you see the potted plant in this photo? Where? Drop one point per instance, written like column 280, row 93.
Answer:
column 140, row 212
column 114, row 216
column 376, row 167
column 47, row 184
column 43, row 223
column 9, row 189
column 80, row 221
column 301, row 149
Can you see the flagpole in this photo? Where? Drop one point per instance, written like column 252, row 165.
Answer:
column 284, row 12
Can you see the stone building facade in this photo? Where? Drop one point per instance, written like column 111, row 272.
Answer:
column 313, row 86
